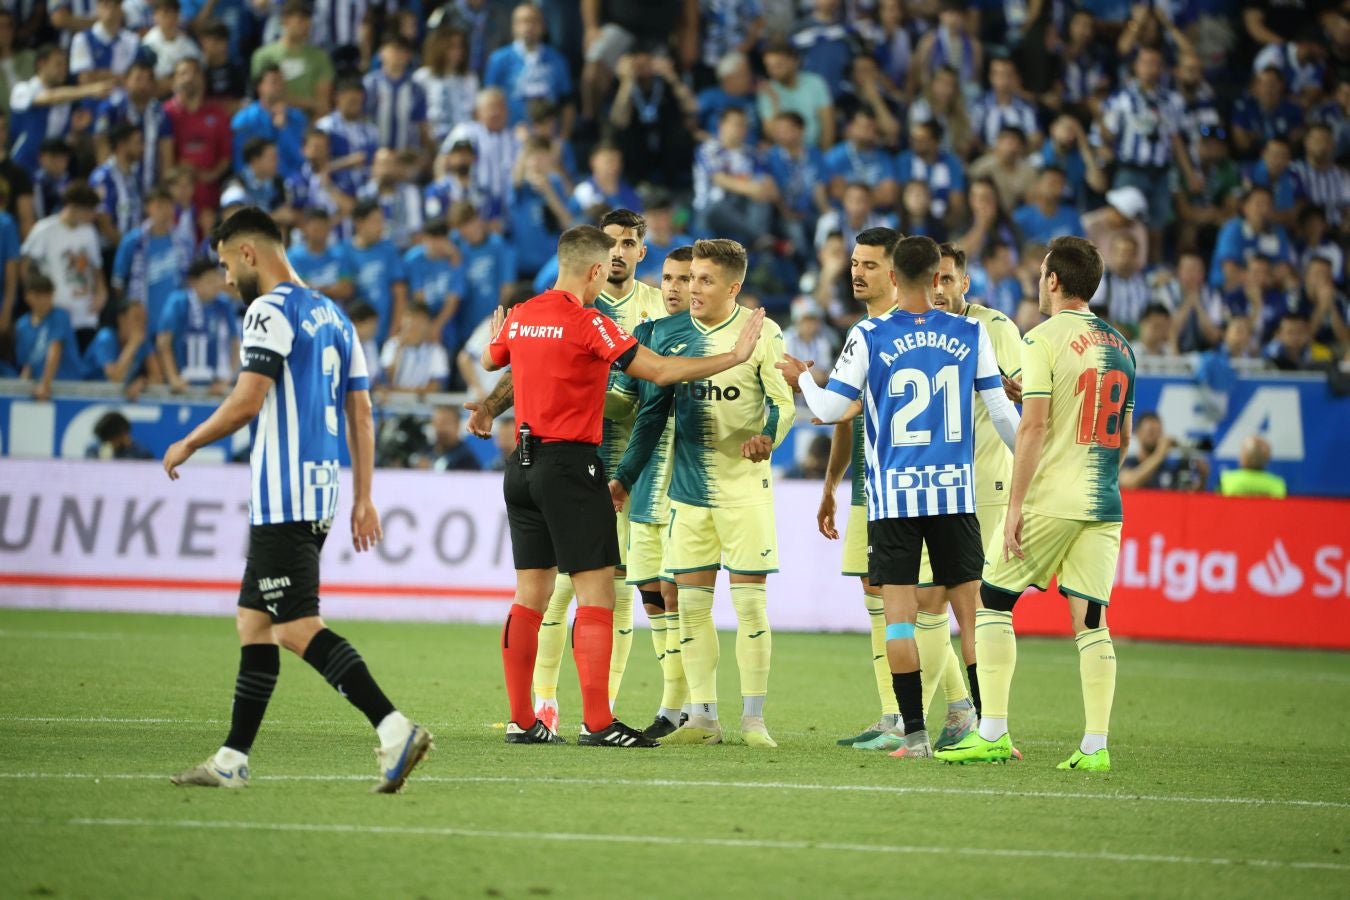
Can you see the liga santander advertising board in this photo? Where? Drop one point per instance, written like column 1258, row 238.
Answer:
column 120, row 536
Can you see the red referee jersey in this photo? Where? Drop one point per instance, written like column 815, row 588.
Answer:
column 560, row 354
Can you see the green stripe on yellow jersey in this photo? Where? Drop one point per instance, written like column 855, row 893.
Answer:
column 1086, row 368
column 715, row 417
column 642, row 304
column 993, row 459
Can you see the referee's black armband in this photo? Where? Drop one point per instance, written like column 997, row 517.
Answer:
column 263, row 361
column 623, row 362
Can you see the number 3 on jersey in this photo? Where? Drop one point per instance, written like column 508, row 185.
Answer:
column 332, row 370
column 1099, row 421
column 947, row 383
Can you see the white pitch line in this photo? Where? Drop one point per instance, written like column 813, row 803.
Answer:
column 734, row 785
column 71, row 635
column 673, row 841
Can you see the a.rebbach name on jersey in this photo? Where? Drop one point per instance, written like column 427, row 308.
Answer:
column 302, row 341
column 918, row 375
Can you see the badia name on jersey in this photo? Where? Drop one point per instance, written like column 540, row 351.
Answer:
column 1089, row 339
column 320, row 316
column 916, row 339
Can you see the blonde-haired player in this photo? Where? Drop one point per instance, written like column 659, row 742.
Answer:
column 721, row 490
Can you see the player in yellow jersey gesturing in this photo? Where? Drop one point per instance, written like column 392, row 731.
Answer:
column 1064, row 513
column 721, row 489
column 629, row 303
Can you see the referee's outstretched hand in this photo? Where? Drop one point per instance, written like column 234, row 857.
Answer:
column 749, row 337
column 480, row 420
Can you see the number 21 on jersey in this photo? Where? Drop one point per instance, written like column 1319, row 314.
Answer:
column 915, row 382
column 1099, row 419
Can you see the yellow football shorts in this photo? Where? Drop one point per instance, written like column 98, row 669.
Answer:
column 646, row 552
column 991, row 536
column 1082, row 555
column 741, row 540
column 855, row 543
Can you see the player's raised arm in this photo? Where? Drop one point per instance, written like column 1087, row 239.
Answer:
column 989, row 383
column 836, row 401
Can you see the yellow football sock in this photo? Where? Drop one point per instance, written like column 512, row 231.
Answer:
column 954, row 677
column 657, row 623
column 675, row 690
column 1097, row 669
column 996, row 658
column 933, row 636
column 754, row 638
column 623, row 635
column 698, row 643
column 552, row 640
column 881, row 669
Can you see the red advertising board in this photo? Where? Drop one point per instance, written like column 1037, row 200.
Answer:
column 1196, row 567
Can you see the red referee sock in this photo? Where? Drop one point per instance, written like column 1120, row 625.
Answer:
column 520, row 642
column 592, row 644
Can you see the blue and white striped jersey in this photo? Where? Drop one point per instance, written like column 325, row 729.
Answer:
column 121, row 194
column 988, row 116
column 1143, row 123
column 151, row 119
column 917, row 376
column 1326, row 186
column 398, row 107
column 302, row 341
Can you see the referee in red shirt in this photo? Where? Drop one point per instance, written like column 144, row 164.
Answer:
column 560, row 350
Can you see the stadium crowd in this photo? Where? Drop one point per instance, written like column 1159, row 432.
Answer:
column 426, row 158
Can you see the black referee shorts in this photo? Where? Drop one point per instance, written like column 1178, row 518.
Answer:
column 281, row 577
column 895, row 547
column 559, row 510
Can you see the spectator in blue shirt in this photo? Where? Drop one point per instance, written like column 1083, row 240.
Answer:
column 260, row 180
column 528, row 69
column 319, row 261
column 489, row 263
column 1067, row 148
column 137, row 104
column 381, row 281
column 1046, row 217
column 435, row 278
column 605, row 187
column 150, row 263
column 729, row 27
column 538, row 210
column 51, row 178
column 1001, row 106
column 1273, row 171
column 352, row 137
column 119, row 185
column 41, row 107
column 1215, row 369
column 122, row 353
column 857, row 158
column 732, row 188
column 395, row 101
column 105, row 50
column 735, row 87
column 798, row 173
column 661, row 236
column 926, row 161
column 1248, row 235
column 9, row 269
column 44, row 341
column 1264, row 113
column 826, row 45
column 198, row 333
column 271, row 118
column 457, row 183
column 1258, row 299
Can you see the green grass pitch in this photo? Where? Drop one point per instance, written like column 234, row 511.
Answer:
column 1231, row 779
